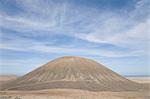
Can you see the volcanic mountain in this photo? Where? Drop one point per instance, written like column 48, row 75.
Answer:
column 72, row 72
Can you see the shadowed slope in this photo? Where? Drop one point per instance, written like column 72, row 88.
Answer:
column 72, row 73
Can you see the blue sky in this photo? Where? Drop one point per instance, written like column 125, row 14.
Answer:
column 112, row 32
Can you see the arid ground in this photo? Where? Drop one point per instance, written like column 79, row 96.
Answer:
column 77, row 94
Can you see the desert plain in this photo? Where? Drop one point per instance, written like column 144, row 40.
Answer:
column 75, row 93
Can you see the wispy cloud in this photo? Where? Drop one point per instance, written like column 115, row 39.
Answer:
column 93, row 26
column 98, row 29
column 29, row 45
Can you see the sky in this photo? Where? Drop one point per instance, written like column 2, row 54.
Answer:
column 115, row 33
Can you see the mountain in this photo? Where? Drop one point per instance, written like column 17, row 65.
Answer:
column 72, row 72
